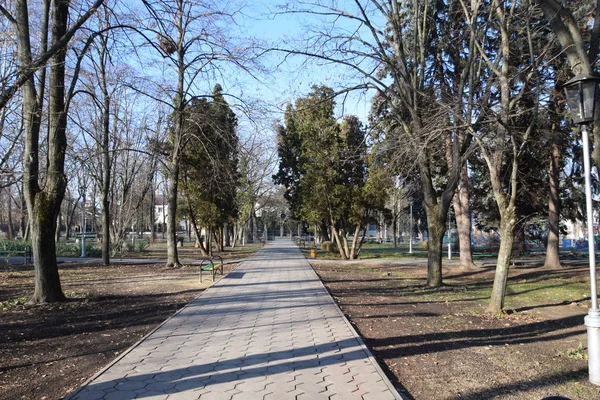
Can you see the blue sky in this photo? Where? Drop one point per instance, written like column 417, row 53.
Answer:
column 261, row 98
column 293, row 76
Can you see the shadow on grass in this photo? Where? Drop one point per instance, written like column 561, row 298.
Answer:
column 410, row 345
column 522, row 385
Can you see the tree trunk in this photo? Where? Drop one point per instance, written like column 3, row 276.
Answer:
column 153, row 214
column 10, row 233
column 43, row 205
column 172, row 255
column 435, row 239
column 57, row 231
column 254, row 228
column 218, row 236
column 395, row 230
column 552, row 248
column 208, row 240
column 106, row 228
column 24, row 220
column 355, row 243
column 71, row 216
column 462, row 212
column 325, row 231
column 507, row 234
column 47, row 281
column 106, row 161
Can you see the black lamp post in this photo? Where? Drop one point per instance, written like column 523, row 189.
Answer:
column 581, row 93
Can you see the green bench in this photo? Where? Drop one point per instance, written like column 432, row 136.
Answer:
column 26, row 254
column 210, row 265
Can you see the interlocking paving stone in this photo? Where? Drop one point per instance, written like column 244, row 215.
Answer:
column 269, row 331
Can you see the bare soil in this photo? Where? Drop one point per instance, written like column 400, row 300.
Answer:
column 440, row 344
column 433, row 343
column 47, row 351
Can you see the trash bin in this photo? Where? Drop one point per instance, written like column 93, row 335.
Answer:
column 313, row 253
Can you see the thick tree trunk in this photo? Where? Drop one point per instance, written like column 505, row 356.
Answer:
column 43, row 205
column 47, row 281
column 552, row 248
column 218, row 236
column 435, row 231
column 507, row 234
column 462, row 212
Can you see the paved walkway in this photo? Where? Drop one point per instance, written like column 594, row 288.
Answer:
column 268, row 330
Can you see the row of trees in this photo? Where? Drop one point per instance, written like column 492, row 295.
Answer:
column 454, row 81
column 466, row 90
column 106, row 96
column 324, row 166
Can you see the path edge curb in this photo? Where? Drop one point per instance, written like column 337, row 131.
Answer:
column 360, row 340
column 70, row 396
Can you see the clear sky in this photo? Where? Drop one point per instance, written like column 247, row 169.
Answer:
column 292, row 76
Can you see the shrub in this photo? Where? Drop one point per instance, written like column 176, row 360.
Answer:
column 14, row 245
column 129, row 247
column 141, row 246
column 329, row 247
column 92, row 251
column 68, row 249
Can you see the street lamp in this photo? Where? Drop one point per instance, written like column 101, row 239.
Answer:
column 581, row 93
column 82, row 193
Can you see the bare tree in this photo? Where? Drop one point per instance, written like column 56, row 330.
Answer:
column 44, row 184
column 502, row 142
column 24, row 72
column 389, row 46
column 195, row 40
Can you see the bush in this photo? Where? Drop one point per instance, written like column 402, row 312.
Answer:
column 129, row 247
column 68, row 249
column 92, row 251
column 141, row 246
column 329, row 247
column 74, row 250
column 14, row 245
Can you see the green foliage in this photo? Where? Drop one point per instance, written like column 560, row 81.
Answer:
column 141, row 246
column 64, row 249
column 14, row 245
column 210, row 174
column 580, row 353
column 325, row 168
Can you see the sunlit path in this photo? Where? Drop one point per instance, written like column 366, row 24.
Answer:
column 269, row 330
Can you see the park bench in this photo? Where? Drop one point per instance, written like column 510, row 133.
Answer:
column 15, row 253
column 209, row 265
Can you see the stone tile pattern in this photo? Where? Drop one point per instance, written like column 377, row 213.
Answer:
column 267, row 331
